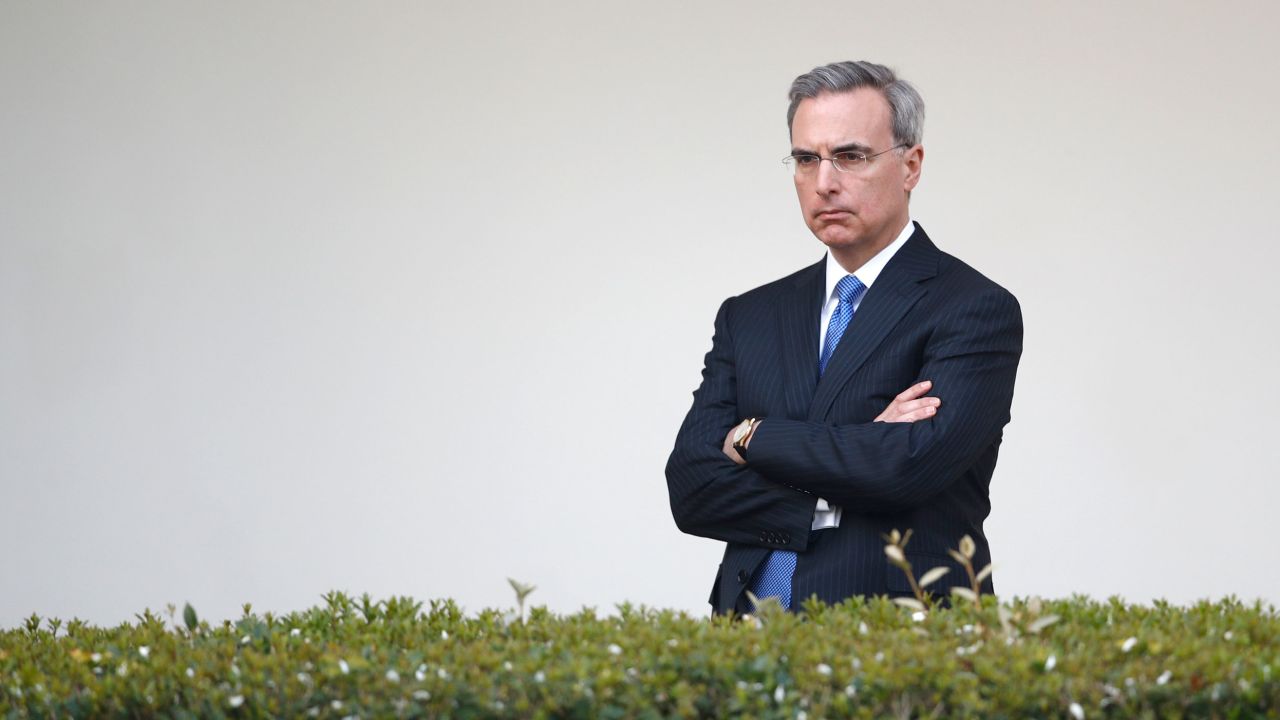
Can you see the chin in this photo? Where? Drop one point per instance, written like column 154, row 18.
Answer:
column 837, row 240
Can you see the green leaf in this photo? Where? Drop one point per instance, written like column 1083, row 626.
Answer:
column 864, row 657
column 522, row 590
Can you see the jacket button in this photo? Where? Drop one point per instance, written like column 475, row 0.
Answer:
column 742, row 576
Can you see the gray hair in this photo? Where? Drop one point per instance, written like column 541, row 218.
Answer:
column 906, row 107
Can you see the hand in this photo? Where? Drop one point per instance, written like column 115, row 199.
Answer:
column 729, row 449
column 909, row 406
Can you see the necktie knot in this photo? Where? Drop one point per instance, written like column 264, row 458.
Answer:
column 849, row 288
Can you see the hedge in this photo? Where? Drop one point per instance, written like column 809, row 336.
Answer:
column 350, row 657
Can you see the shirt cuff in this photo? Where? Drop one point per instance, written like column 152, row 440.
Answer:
column 825, row 516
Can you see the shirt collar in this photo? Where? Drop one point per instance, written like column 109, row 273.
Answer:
column 871, row 269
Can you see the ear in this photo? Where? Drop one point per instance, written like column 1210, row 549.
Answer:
column 913, row 160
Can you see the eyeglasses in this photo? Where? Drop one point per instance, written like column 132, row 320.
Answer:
column 848, row 161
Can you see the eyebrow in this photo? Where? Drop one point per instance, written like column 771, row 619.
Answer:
column 851, row 147
column 847, row 147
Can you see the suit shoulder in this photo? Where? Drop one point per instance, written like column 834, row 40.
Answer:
column 756, row 305
column 963, row 278
column 962, row 294
column 769, row 291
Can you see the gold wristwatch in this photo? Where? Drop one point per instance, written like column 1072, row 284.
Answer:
column 743, row 434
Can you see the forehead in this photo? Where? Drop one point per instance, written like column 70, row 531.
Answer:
column 834, row 119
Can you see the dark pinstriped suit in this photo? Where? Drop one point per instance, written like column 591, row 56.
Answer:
column 928, row 316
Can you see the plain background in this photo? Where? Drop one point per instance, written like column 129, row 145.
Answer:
column 409, row 298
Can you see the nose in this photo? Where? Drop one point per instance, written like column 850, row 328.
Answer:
column 828, row 180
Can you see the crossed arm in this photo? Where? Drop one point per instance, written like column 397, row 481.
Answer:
column 909, row 406
column 891, row 463
column 971, row 359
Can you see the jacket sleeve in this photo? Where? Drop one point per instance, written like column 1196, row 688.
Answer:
column 972, row 359
column 713, row 497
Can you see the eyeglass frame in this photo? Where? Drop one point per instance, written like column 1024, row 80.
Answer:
column 790, row 160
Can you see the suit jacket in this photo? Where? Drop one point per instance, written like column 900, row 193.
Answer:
column 928, row 316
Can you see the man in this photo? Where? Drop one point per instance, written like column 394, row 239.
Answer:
column 802, row 447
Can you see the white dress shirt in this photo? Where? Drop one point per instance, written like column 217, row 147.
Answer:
column 826, row 515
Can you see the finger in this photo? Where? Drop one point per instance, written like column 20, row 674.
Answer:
column 913, row 405
column 903, row 402
column 923, row 413
column 914, row 391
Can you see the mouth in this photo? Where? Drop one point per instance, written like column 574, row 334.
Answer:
column 834, row 214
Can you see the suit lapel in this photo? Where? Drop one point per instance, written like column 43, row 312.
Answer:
column 893, row 293
column 798, row 318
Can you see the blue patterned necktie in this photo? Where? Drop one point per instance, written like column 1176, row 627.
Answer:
column 849, row 289
column 774, row 577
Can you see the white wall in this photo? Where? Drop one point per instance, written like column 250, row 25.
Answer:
column 409, row 298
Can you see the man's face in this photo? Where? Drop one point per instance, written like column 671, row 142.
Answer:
column 860, row 211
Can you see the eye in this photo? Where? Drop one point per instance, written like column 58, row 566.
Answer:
column 850, row 158
column 805, row 160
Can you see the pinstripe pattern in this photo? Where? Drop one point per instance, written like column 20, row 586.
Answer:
column 928, row 316
column 773, row 579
